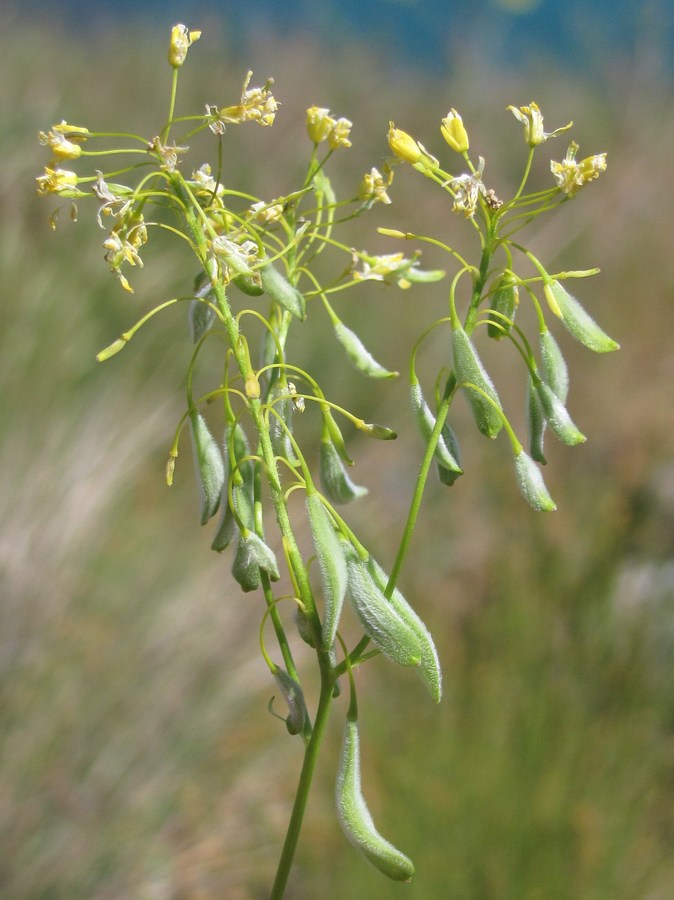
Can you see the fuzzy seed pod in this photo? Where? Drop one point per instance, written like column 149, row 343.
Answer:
column 210, row 466
column 558, row 418
column 332, row 565
column 505, row 301
column 531, row 483
column 359, row 355
column 426, row 423
column 336, row 483
column 581, row 325
column 282, row 291
column 469, row 370
column 555, row 372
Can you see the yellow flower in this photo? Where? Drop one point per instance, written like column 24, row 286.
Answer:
column 181, row 41
column 64, row 140
column 339, row 136
column 257, row 105
column 57, row 181
column 454, row 132
column 532, row 119
column 403, row 145
column 373, row 187
column 571, row 176
column 319, row 123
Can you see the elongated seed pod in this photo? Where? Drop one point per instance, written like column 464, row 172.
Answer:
column 429, row 668
column 332, row 566
column 426, row 423
column 358, row 353
column 537, row 422
column 355, row 818
column 505, row 301
column 469, row 370
column 201, row 316
column 531, row 483
column 261, row 554
column 245, row 568
column 555, row 371
column 557, row 416
column 278, row 434
column 249, row 284
column 209, row 464
column 381, row 623
column 282, row 291
column 581, row 325
column 336, row 483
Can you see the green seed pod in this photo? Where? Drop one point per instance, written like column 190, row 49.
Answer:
column 279, row 436
column 381, row 623
column 227, row 530
column 249, row 284
column 201, row 315
column 558, row 418
column 261, row 554
column 359, row 355
column 304, row 627
column 429, row 668
column 555, row 372
column 449, row 476
column 537, row 422
column 282, row 291
column 332, row 565
column 469, row 370
column 577, row 321
column 355, row 818
column 336, row 483
column 426, row 423
column 245, row 568
column 298, row 716
column 505, row 301
column 210, row 466
column 531, row 483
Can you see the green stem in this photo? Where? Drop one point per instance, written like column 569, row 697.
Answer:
column 304, row 785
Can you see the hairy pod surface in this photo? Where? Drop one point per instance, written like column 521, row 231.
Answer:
column 469, row 370
column 505, row 301
column 282, row 291
column 385, row 627
column 245, row 568
column 558, row 417
column 209, row 464
column 536, row 421
column 449, row 476
column 355, row 818
column 426, row 423
column 531, row 484
column 429, row 668
column 358, row 353
column 335, row 480
column 555, row 371
column 579, row 322
column 332, row 566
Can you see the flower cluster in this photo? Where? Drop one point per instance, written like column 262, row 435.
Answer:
column 322, row 126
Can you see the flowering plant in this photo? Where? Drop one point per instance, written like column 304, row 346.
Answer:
column 250, row 250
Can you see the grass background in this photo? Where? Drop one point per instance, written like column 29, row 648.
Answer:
column 136, row 755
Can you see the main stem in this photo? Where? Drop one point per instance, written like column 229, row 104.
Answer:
column 304, row 786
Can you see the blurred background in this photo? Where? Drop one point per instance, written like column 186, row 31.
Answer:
column 137, row 757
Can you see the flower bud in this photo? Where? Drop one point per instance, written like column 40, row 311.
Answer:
column 319, row 123
column 181, row 40
column 454, row 132
column 403, row 145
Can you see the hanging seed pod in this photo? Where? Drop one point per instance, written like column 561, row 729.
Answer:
column 531, row 483
column 262, row 554
column 505, row 301
column 469, row 370
column 359, row 355
column 335, row 435
column 426, row 423
column 210, row 465
column 581, row 325
column 537, row 422
column 555, row 371
column 381, row 623
column 280, row 440
column 201, row 316
column 332, row 565
column 335, row 481
column 245, row 568
column 449, row 476
column 355, row 818
column 298, row 717
column 282, row 291
column 558, row 418
column 429, row 668
column 304, row 627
